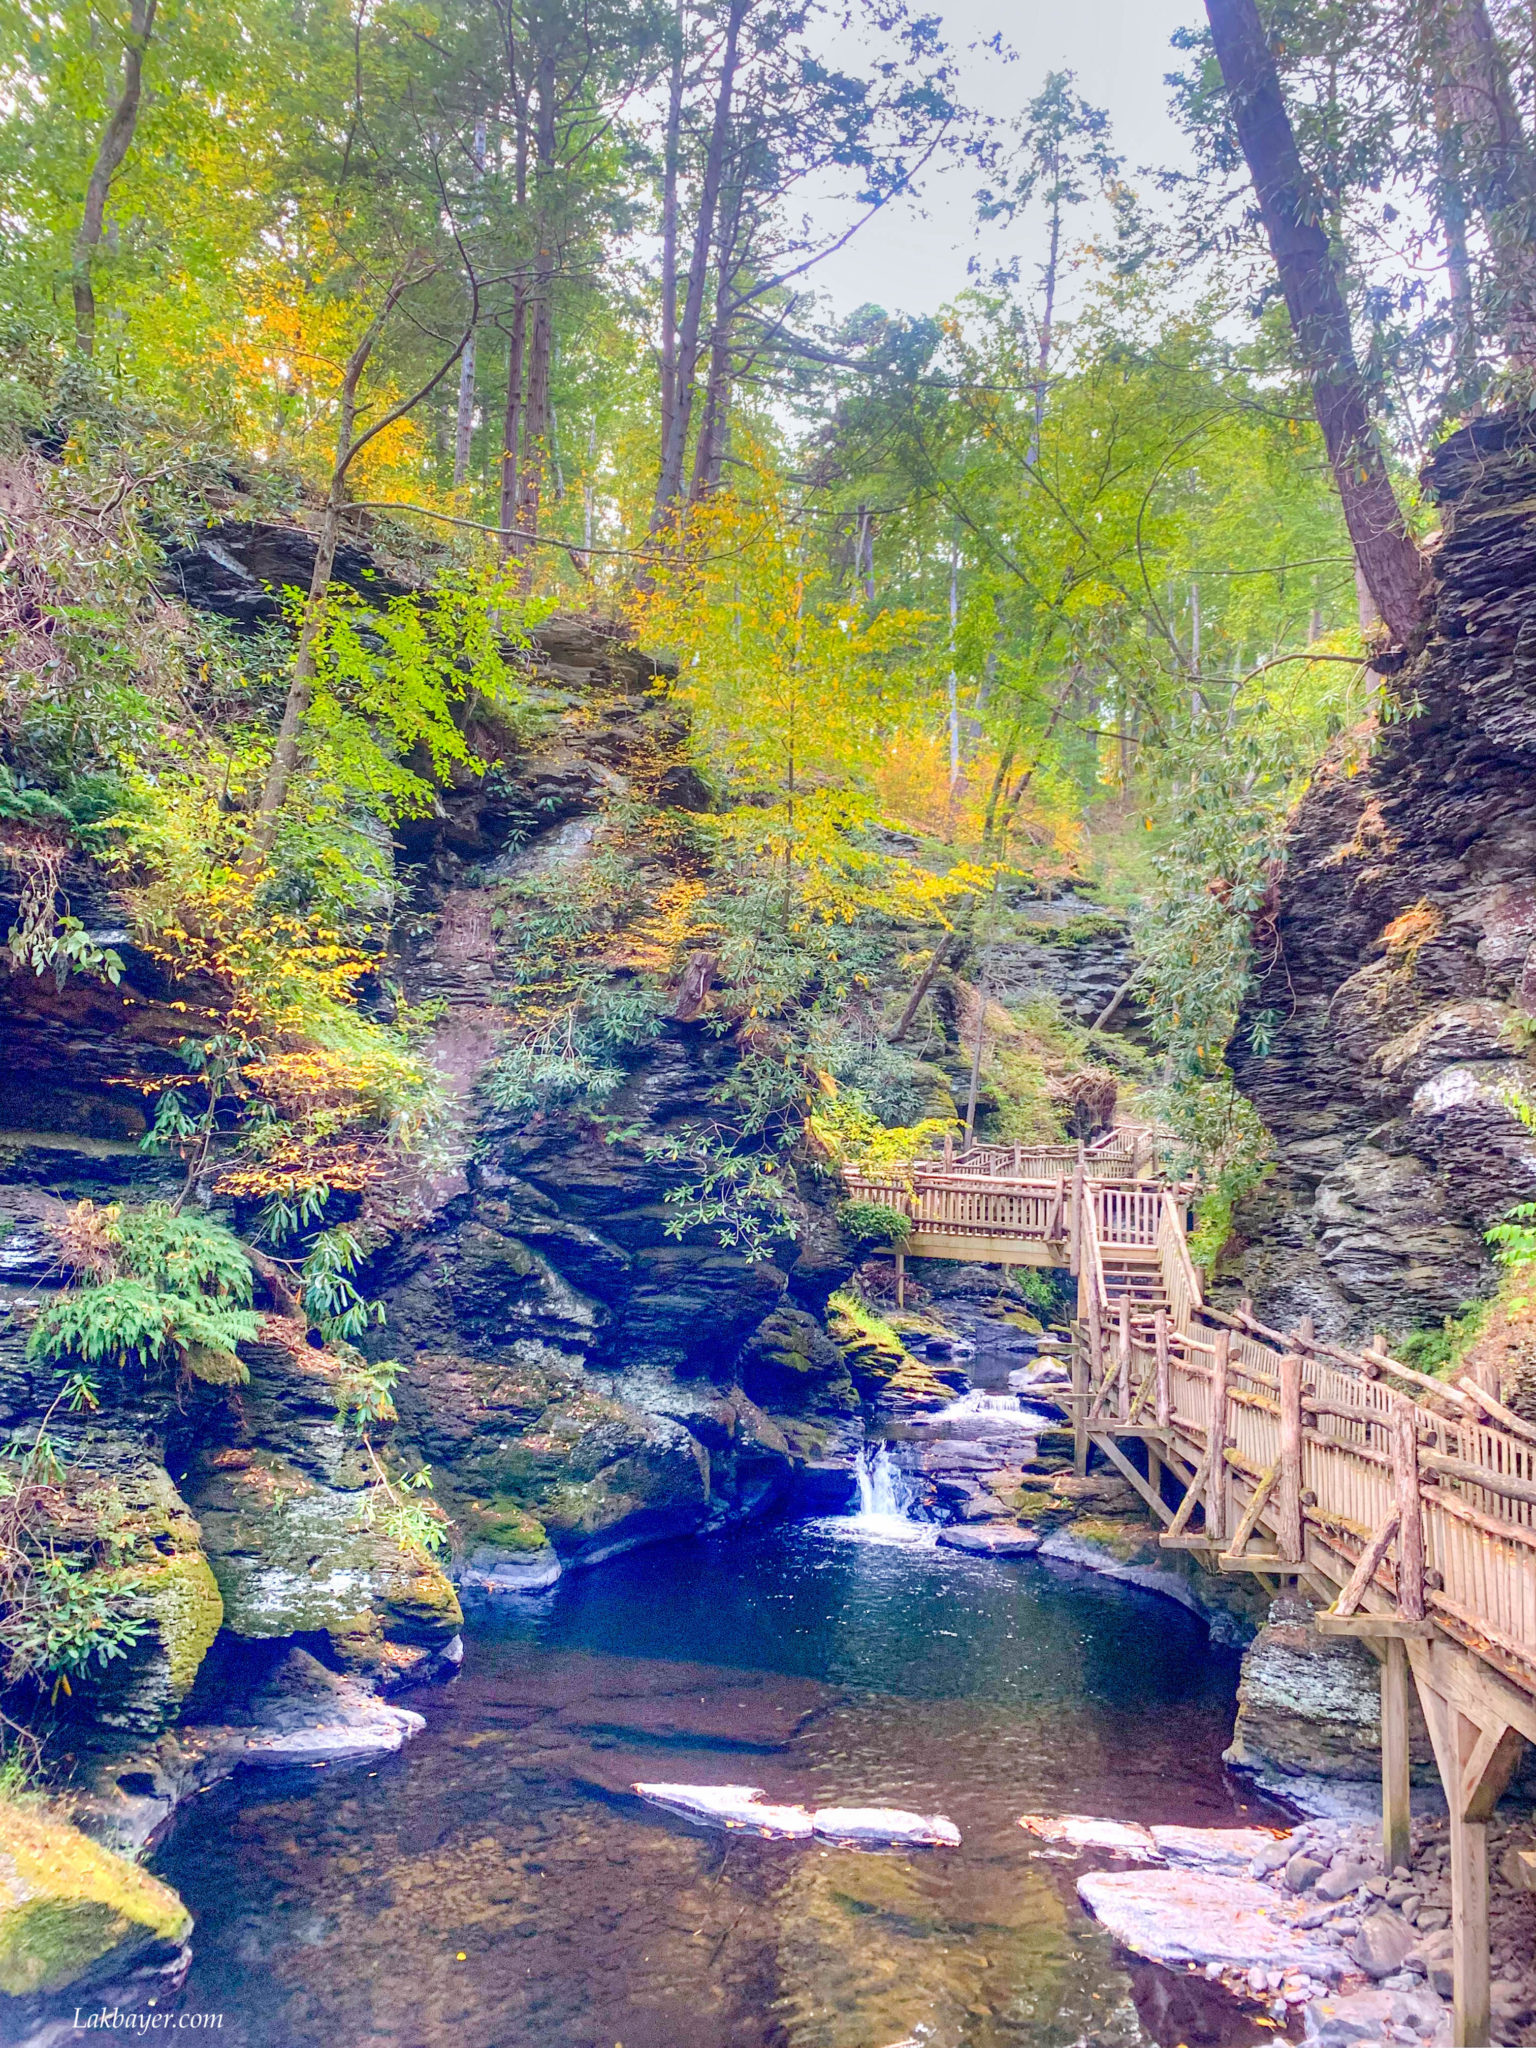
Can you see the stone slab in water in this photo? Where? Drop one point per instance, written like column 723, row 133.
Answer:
column 1087, row 1831
column 885, row 1826
column 496, row 1574
column 743, row 1807
column 731, row 1806
column 994, row 1541
column 1229, row 1925
column 1230, row 1850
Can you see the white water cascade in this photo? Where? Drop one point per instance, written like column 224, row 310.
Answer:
column 887, row 1496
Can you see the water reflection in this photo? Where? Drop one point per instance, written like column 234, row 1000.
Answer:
column 495, row 1886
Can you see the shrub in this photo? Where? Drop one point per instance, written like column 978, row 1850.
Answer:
column 874, row 1223
column 158, row 1287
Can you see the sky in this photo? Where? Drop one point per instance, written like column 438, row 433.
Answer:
column 1119, row 50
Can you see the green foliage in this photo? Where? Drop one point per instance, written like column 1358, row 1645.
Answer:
column 1440, row 1349
column 853, row 1136
column 741, row 1198
column 163, row 1288
column 874, row 1223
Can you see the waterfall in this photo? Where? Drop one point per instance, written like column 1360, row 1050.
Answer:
column 886, row 1494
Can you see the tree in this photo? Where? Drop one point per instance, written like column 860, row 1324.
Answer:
column 1319, row 316
column 116, row 139
column 1061, row 158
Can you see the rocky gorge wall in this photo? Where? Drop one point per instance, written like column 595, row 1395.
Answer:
column 1400, row 966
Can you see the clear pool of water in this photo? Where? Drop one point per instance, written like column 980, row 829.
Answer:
column 496, row 1885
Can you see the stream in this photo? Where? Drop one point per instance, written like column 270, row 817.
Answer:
column 496, row 1885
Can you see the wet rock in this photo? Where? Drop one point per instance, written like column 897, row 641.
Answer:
column 1086, row 1831
column 490, row 1574
column 740, row 1807
column 305, row 1714
column 1308, row 1705
column 1225, row 1924
column 884, row 1827
column 999, row 1540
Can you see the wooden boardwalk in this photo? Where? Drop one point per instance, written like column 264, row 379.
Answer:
column 1405, row 1504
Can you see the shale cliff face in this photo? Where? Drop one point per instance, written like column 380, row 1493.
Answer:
column 579, row 1380
column 1402, row 962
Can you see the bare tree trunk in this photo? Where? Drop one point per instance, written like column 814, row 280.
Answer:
column 116, row 139
column 1314, row 297
column 1497, row 160
column 536, row 417
column 670, row 483
column 953, row 692
column 864, row 554
column 670, row 159
column 1452, row 203
column 511, row 427
column 1047, row 324
column 465, row 423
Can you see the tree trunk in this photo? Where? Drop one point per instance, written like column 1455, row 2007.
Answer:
column 511, row 427
column 1497, row 161
column 465, row 422
column 536, row 417
column 670, row 483
column 1314, row 297
column 670, row 157
column 116, row 138
column 1451, row 200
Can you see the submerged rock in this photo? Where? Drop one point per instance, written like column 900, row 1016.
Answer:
column 1085, row 1831
column 887, row 1826
column 743, row 1807
column 490, row 1574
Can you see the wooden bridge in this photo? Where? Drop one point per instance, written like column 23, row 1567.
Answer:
column 1406, row 1504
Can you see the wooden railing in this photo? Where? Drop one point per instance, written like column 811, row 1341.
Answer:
column 1347, row 1461
column 1124, row 1153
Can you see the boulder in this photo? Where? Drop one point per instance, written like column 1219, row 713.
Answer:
column 73, row 1913
column 1384, row 1943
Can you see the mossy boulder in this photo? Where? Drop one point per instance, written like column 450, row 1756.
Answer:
column 791, row 1364
column 71, row 1909
column 295, row 1556
column 871, row 1350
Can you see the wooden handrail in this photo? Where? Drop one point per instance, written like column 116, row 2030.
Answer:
column 1358, row 1442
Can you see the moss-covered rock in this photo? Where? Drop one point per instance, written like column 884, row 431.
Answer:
column 69, row 1907
column 871, row 1349
column 790, row 1363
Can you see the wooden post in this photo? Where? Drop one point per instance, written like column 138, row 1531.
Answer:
column 949, row 1151
column 1016, row 1162
column 1154, row 1470
column 1124, row 1360
column 1410, row 1512
column 1216, row 1476
column 901, row 1278
column 1394, row 1756
column 1288, row 1484
column 1164, row 1370
column 1476, row 1759
column 1472, row 2004
column 1080, row 1386
column 1075, row 1247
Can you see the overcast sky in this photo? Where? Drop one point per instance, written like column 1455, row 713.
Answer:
column 1119, row 51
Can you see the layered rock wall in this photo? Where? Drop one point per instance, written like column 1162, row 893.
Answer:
column 1400, row 971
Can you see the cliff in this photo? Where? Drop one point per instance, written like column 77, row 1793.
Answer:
column 1402, row 965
